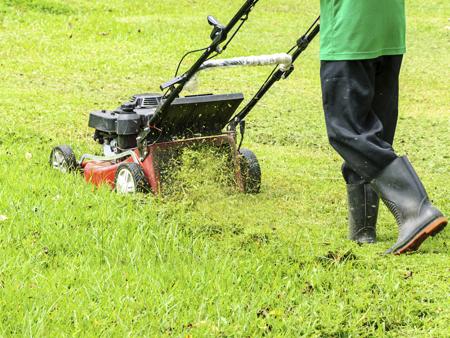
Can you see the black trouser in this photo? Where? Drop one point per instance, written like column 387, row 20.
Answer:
column 360, row 100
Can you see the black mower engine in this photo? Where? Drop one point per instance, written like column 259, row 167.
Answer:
column 119, row 128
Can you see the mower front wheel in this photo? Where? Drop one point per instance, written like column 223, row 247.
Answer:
column 250, row 171
column 62, row 158
column 130, row 179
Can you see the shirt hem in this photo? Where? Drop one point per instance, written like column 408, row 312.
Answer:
column 361, row 55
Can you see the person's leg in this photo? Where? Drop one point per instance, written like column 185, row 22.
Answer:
column 354, row 129
column 343, row 114
column 363, row 201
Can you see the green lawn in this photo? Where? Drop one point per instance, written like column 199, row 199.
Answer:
column 75, row 260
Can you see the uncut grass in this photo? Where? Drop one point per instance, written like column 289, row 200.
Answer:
column 78, row 260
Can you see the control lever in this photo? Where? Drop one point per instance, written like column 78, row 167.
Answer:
column 213, row 21
column 217, row 34
column 172, row 82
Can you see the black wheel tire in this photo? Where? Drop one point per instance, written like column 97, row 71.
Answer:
column 130, row 178
column 250, row 171
column 63, row 158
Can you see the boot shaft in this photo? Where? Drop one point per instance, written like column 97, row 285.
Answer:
column 399, row 185
column 404, row 194
column 363, row 203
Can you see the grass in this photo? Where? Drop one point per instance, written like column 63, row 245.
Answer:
column 81, row 261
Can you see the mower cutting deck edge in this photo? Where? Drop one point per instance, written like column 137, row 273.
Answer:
column 141, row 135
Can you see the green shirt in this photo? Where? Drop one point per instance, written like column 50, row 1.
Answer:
column 361, row 29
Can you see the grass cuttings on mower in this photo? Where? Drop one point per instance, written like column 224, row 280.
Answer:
column 197, row 172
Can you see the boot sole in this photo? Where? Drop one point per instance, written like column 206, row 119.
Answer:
column 431, row 229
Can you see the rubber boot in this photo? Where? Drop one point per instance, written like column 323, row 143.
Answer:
column 404, row 195
column 363, row 204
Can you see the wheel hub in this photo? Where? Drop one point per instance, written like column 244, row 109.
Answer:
column 125, row 183
column 59, row 162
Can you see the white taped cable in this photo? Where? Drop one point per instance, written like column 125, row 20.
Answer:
column 282, row 59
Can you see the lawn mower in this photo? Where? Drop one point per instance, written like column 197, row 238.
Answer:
column 141, row 135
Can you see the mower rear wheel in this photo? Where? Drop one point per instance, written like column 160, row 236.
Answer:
column 130, row 179
column 62, row 158
column 250, row 171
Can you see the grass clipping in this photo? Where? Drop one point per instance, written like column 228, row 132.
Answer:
column 197, row 173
